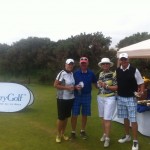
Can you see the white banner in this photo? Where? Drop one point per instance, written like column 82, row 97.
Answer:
column 31, row 98
column 14, row 97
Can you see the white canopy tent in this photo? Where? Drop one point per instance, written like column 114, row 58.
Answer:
column 138, row 50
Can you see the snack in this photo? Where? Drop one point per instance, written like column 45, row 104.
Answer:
column 137, row 94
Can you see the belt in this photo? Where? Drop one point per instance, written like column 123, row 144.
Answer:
column 107, row 95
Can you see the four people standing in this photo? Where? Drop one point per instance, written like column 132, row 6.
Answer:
column 74, row 92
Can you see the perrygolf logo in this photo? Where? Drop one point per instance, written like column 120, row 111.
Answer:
column 12, row 97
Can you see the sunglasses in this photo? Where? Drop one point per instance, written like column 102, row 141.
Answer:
column 83, row 58
column 105, row 63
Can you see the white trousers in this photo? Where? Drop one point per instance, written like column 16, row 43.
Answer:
column 106, row 106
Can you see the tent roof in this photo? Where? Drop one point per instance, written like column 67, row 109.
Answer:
column 138, row 50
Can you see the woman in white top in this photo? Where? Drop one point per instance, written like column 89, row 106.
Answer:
column 65, row 96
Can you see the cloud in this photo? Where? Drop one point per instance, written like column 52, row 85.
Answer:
column 57, row 19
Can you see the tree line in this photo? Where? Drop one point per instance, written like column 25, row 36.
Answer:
column 43, row 58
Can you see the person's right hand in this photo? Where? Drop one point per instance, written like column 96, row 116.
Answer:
column 78, row 87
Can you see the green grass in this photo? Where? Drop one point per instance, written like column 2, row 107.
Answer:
column 34, row 128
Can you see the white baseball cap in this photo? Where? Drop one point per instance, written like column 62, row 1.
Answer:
column 68, row 61
column 123, row 55
column 105, row 60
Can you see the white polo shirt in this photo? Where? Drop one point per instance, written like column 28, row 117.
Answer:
column 66, row 79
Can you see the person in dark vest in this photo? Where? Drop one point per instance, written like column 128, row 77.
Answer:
column 129, row 81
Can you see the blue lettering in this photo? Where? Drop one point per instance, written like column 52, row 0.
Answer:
column 12, row 97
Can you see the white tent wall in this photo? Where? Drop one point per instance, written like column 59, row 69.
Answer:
column 138, row 50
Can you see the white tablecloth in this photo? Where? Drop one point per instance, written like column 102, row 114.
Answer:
column 143, row 120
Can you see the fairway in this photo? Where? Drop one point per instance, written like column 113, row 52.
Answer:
column 34, row 128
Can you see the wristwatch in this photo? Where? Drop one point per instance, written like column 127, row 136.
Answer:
column 106, row 86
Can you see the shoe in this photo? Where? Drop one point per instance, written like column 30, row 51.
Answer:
column 135, row 146
column 72, row 136
column 83, row 135
column 66, row 138
column 106, row 143
column 125, row 139
column 58, row 139
column 102, row 139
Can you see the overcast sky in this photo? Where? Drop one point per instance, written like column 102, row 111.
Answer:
column 59, row 19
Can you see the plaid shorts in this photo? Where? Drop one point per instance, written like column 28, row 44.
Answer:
column 127, row 108
column 82, row 103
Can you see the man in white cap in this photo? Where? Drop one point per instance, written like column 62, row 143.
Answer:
column 129, row 80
